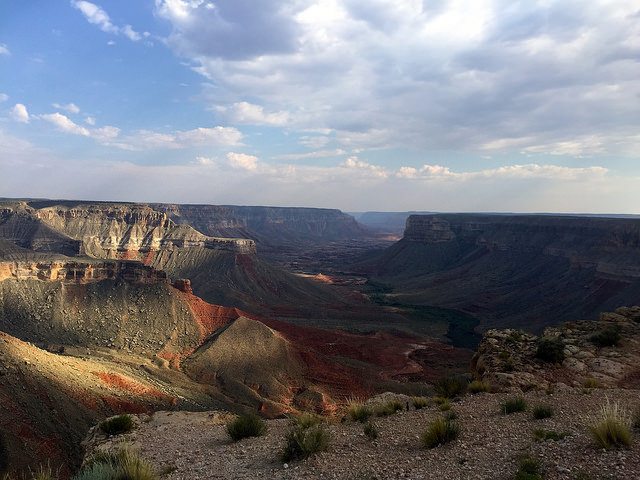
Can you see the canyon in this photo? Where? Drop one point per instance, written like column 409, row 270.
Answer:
column 109, row 307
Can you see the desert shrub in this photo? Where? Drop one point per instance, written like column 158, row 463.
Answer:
column 439, row 432
column 370, row 430
column 590, row 383
column 388, row 408
column 306, row 419
column 509, row 366
column 478, row 386
column 420, row 402
column 358, row 412
column 451, row 415
column 451, row 386
column 612, row 427
column 117, row 425
column 124, row 464
column 301, row 442
column 245, row 426
column 529, row 468
column 513, row 405
column 607, row 337
column 541, row 434
column 44, row 473
column 550, row 350
column 443, row 403
column 542, row 411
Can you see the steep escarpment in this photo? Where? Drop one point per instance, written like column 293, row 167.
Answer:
column 270, row 226
column 510, row 270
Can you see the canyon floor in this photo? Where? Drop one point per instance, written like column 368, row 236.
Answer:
column 183, row 445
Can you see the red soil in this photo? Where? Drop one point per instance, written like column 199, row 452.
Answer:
column 130, row 386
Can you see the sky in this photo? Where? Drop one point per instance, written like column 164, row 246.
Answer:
column 440, row 105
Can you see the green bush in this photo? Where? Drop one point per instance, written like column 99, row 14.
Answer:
column 124, row 464
column 478, row 386
column 439, row 432
column 444, row 405
column 388, row 408
column 550, row 350
column 529, row 469
column 607, row 337
column 117, row 425
column 245, row 426
column 541, row 434
column 513, row 405
column 306, row 420
column 542, row 411
column 301, row 442
column 590, row 383
column 358, row 412
column 420, row 402
column 612, row 428
column 451, row 386
column 370, row 430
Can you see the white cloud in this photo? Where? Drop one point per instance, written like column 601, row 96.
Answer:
column 90, row 121
column 3, row 97
column 315, row 154
column 4, row 50
column 19, row 113
column 69, row 107
column 97, row 16
column 370, row 170
column 243, row 161
column 248, row 113
column 65, row 124
column 314, row 141
column 436, row 76
column 197, row 137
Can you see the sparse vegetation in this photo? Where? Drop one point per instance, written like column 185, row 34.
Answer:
column 359, row 412
column 514, row 405
column 612, row 428
column 439, row 432
column 370, row 430
column 307, row 419
column 451, row 386
column 590, row 383
column 124, row 464
column 420, row 402
column 529, row 468
column 44, row 473
column 542, row 411
column 550, row 349
column 245, row 426
column 302, row 442
column 388, row 408
column 541, row 434
column 117, row 425
column 478, row 386
column 607, row 337
column 443, row 404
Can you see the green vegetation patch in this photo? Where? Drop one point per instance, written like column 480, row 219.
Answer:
column 244, row 426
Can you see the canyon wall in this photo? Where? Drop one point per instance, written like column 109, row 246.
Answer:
column 268, row 225
column 609, row 245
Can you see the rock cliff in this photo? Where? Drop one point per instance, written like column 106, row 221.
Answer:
column 527, row 271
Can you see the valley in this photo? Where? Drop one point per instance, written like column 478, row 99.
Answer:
column 110, row 308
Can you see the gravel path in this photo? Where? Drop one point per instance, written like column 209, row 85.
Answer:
column 192, row 446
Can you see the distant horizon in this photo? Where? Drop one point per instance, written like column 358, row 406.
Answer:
column 349, row 212
column 358, row 105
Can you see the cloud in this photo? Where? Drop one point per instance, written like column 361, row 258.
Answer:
column 69, row 107
column 90, row 120
column 538, row 77
column 197, row 137
column 3, row 97
column 65, row 124
column 19, row 113
column 315, row 154
column 247, row 113
column 97, row 16
column 243, row 161
column 355, row 163
column 4, row 50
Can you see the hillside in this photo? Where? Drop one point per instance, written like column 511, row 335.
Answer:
column 527, row 271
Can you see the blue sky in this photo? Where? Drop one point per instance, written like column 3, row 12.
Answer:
column 447, row 105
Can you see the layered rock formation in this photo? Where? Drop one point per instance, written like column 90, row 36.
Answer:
column 270, row 226
column 527, row 270
column 509, row 358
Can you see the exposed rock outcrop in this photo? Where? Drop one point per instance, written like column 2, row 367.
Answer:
column 508, row 358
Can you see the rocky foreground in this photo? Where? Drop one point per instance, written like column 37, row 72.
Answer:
column 183, row 445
